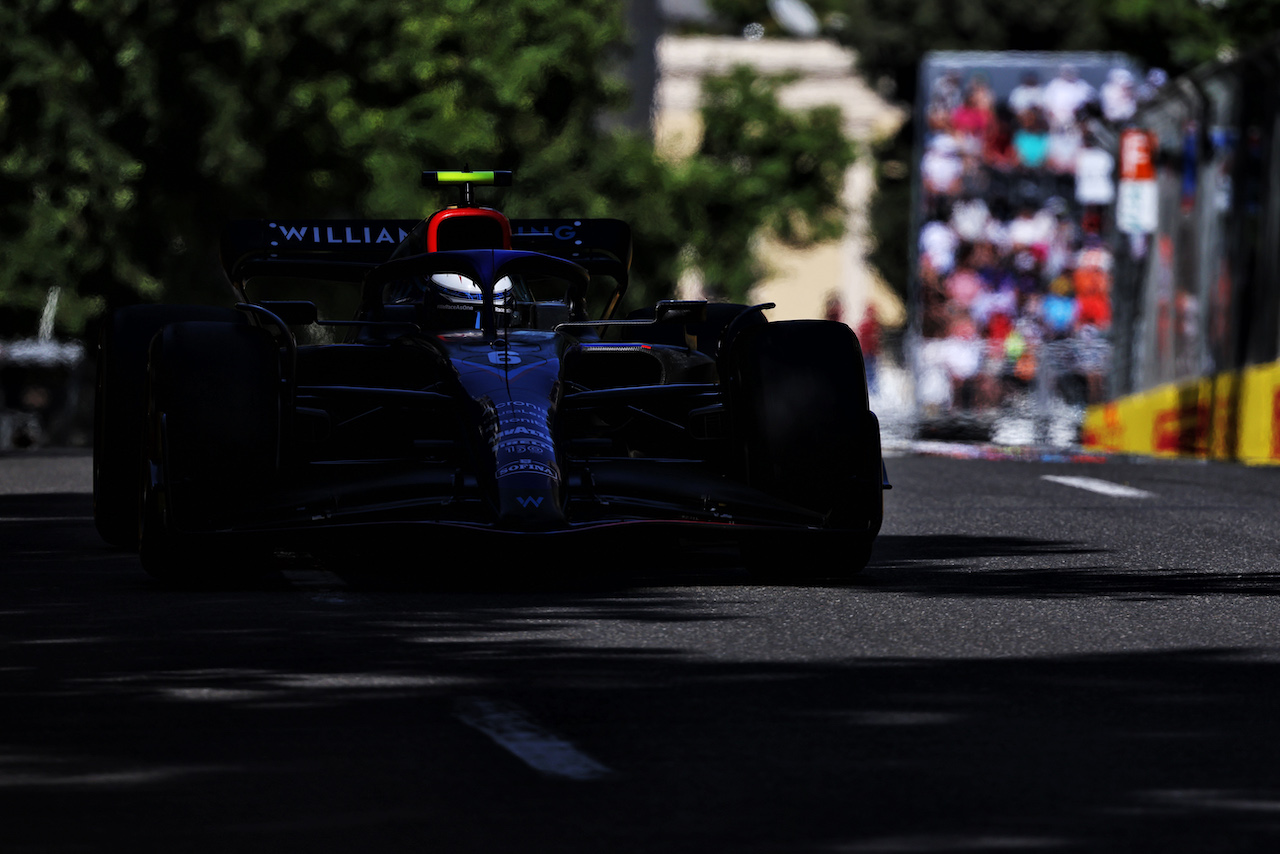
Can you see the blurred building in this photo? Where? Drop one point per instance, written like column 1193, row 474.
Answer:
column 802, row 281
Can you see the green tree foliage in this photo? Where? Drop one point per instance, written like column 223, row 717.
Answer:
column 891, row 36
column 129, row 129
column 759, row 168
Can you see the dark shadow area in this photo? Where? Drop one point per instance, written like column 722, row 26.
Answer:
column 900, row 551
column 45, row 526
column 54, row 532
column 48, row 529
column 48, row 507
column 314, row 716
column 327, row 721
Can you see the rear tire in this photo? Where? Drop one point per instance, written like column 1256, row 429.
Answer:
column 213, row 439
column 798, row 399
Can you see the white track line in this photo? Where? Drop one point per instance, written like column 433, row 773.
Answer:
column 1102, row 487
column 536, row 747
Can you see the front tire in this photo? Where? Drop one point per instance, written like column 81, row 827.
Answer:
column 798, row 399
column 120, row 410
column 213, row 440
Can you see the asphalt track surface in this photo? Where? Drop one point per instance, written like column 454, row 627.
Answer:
column 1028, row 665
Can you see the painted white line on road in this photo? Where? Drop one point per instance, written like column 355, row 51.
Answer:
column 536, row 747
column 1102, row 487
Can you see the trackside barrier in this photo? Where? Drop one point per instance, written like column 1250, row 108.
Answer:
column 1231, row 416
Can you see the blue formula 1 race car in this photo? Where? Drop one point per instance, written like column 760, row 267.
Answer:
column 471, row 402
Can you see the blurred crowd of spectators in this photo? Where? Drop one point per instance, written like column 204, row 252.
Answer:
column 1014, row 268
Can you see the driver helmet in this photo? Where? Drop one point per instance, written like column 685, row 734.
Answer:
column 453, row 300
column 457, row 288
column 442, row 288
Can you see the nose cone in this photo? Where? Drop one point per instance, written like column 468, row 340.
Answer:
column 527, row 472
column 517, row 381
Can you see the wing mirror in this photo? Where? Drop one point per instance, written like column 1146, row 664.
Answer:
column 684, row 311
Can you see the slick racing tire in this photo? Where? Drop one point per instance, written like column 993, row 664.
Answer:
column 805, row 433
column 213, row 441
column 120, row 408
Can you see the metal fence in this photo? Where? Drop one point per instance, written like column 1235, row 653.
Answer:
column 1200, row 289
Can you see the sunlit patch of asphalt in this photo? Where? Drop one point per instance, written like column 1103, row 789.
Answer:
column 269, row 688
column 19, row 770
column 1181, row 801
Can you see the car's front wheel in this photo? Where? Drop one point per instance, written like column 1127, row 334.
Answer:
column 212, row 446
column 120, row 407
column 798, row 400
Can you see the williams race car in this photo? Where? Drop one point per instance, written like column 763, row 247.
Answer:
column 472, row 402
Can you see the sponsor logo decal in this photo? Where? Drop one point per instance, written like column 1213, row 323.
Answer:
column 528, row 467
column 560, row 232
column 328, row 234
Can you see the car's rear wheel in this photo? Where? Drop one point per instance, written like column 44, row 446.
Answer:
column 805, row 433
column 120, row 410
column 213, row 439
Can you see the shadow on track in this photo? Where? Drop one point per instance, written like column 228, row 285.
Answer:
column 1025, row 567
column 328, row 721
column 322, row 718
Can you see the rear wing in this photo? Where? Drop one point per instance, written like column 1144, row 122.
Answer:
column 603, row 246
column 346, row 249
